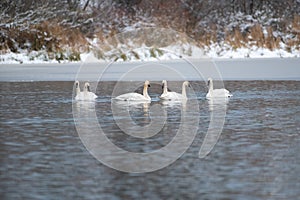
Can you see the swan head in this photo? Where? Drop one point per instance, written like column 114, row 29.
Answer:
column 186, row 83
column 76, row 84
column 209, row 81
column 77, row 87
column 147, row 83
column 164, row 83
column 87, row 87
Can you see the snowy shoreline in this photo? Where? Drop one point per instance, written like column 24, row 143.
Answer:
column 213, row 53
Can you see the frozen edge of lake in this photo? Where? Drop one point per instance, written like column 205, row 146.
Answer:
column 230, row 69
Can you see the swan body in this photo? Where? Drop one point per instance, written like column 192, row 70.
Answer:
column 133, row 96
column 216, row 93
column 173, row 96
column 86, row 95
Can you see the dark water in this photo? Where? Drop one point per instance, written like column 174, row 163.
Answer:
column 256, row 157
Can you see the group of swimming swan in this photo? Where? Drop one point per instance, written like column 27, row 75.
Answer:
column 166, row 95
column 86, row 95
column 173, row 96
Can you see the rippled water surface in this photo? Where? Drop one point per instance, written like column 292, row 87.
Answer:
column 256, row 156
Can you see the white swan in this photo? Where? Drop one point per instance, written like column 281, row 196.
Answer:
column 174, row 96
column 133, row 96
column 78, row 93
column 86, row 95
column 77, row 88
column 216, row 93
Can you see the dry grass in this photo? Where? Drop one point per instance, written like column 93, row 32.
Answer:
column 265, row 37
column 207, row 37
column 271, row 42
column 294, row 30
column 296, row 25
column 59, row 42
column 256, row 36
column 67, row 43
column 61, row 37
column 236, row 39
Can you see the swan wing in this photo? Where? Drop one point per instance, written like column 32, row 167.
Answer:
column 223, row 92
column 172, row 96
column 79, row 96
column 132, row 97
column 92, row 95
column 218, row 93
column 82, row 96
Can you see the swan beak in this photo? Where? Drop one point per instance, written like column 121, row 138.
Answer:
column 162, row 86
column 149, row 85
column 88, row 88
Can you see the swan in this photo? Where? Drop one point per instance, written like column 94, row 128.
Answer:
column 78, row 93
column 173, row 96
column 216, row 93
column 86, row 95
column 133, row 96
column 77, row 88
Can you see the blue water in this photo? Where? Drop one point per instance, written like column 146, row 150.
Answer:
column 256, row 156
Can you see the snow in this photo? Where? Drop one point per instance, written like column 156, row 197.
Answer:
column 130, row 51
column 215, row 51
column 154, row 54
column 24, row 57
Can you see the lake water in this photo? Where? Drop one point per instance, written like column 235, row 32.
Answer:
column 256, row 157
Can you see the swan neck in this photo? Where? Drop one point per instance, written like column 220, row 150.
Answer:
column 165, row 88
column 77, row 87
column 184, row 90
column 145, row 91
column 211, row 86
column 85, row 90
column 77, row 90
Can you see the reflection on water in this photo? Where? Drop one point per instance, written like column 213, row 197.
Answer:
column 256, row 156
column 139, row 125
column 218, row 104
column 217, row 108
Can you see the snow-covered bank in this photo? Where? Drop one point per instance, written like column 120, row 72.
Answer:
column 150, row 54
column 63, row 31
column 226, row 51
column 35, row 57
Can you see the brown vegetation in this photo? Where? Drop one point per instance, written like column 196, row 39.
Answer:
column 60, row 43
column 261, row 38
column 61, row 28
